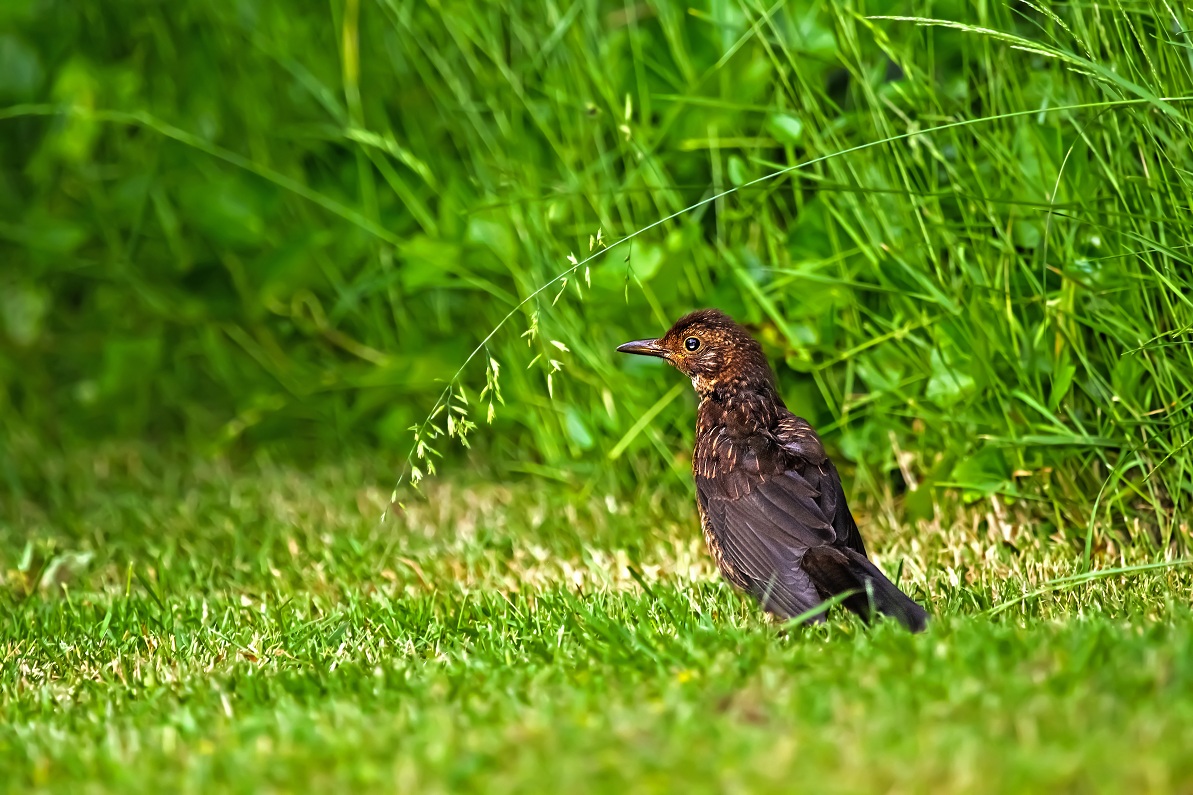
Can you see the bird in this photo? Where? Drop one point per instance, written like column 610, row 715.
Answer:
column 771, row 505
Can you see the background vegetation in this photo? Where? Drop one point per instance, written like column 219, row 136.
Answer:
column 246, row 247
column 247, row 225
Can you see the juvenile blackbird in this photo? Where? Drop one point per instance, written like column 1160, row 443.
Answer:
column 771, row 504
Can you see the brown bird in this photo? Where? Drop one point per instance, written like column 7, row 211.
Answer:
column 771, row 503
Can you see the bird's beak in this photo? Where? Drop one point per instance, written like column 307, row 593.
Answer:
column 644, row 348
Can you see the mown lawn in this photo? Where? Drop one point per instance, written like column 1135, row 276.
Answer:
column 191, row 626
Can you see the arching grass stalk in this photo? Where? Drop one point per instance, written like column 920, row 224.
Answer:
column 453, row 399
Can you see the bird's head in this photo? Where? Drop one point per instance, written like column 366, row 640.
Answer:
column 711, row 349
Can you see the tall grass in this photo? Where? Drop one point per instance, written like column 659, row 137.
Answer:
column 971, row 262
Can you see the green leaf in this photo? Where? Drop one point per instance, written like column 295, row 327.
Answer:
column 984, row 472
column 786, row 129
column 23, row 309
column 21, row 74
column 1062, row 382
column 738, row 175
column 949, row 385
column 577, row 429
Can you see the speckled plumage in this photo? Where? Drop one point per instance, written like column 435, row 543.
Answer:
column 771, row 505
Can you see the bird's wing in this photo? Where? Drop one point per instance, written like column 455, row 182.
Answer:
column 843, row 521
column 764, row 505
column 799, row 441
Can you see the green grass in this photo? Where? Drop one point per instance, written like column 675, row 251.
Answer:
column 280, row 233
column 183, row 625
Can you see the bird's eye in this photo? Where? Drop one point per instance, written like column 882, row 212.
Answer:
column 691, row 343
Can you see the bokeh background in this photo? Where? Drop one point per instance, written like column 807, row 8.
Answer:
column 249, row 226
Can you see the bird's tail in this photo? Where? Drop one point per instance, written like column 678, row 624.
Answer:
column 836, row 570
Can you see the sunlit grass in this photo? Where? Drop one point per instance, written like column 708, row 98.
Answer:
column 176, row 624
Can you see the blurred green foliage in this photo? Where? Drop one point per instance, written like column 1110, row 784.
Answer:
column 272, row 224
